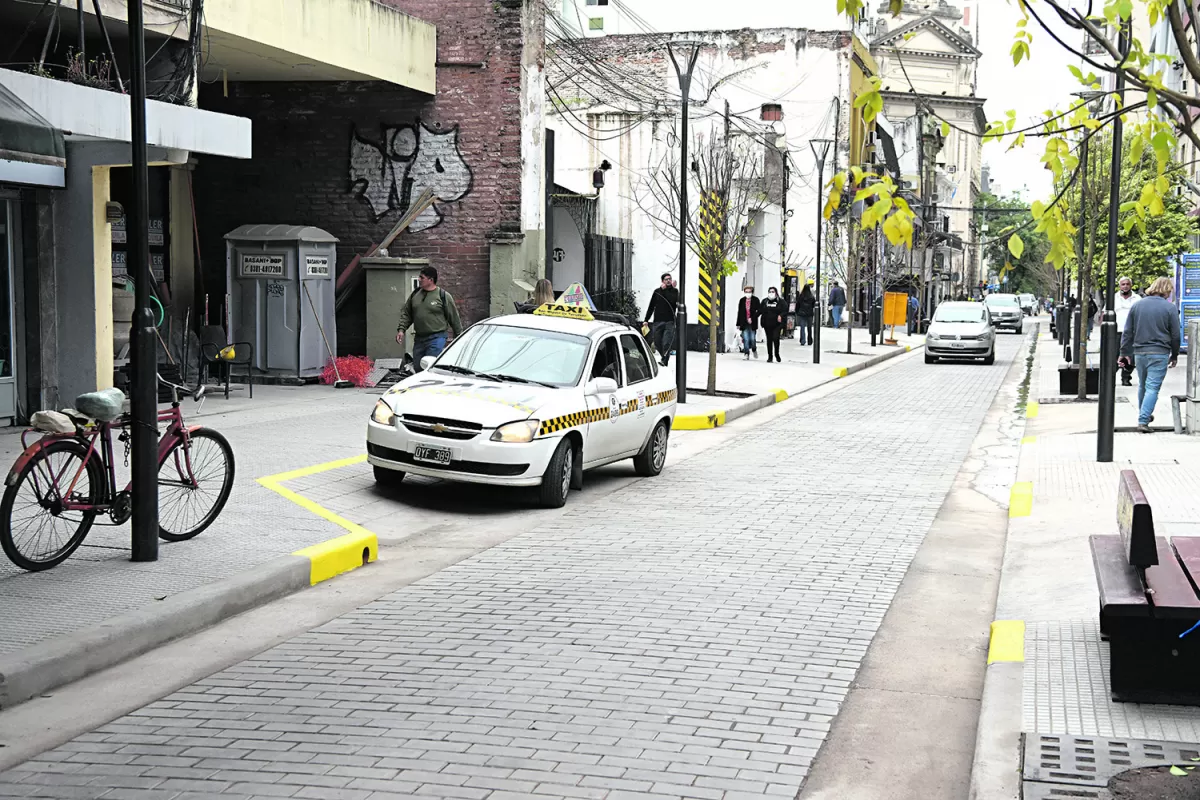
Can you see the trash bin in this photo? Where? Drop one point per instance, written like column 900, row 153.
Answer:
column 277, row 275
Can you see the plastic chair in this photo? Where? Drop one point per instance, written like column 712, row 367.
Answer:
column 212, row 343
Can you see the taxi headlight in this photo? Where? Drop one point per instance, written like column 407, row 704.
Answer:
column 383, row 413
column 517, row 432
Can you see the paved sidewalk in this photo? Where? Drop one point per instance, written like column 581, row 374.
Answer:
column 691, row 636
column 760, row 380
column 1048, row 580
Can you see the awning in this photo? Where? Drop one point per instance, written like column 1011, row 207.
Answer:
column 31, row 149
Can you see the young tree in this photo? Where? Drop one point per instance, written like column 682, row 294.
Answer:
column 1029, row 272
column 1110, row 50
column 723, row 188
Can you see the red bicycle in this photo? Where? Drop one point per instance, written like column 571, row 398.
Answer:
column 63, row 481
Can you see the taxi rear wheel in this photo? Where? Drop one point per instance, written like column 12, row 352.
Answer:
column 653, row 457
column 388, row 477
column 556, row 481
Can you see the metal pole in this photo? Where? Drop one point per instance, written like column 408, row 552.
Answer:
column 82, row 42
column 685, row 86
column 817, row 319
column 144, row 375
column 1108, row 327
column 1079, row 328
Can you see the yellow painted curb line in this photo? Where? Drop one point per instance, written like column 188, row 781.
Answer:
column 1007, row 643
column 1020, row 500
column 1031, row 410
column 698, row 422
column 328, row 559
column 840, row 372
column 1029, row 440
column 780, row 395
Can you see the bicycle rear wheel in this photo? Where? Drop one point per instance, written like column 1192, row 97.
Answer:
column 194, row 482
column 35, row 532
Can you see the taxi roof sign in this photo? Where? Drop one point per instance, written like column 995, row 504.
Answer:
column 564, row 311
column 576, row 295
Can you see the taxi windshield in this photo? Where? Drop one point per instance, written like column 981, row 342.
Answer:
column 518, row 354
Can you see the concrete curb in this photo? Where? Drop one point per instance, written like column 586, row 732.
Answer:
column 63, row 659
column 717, row 418
column 996, row 767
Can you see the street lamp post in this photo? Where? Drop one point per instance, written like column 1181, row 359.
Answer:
column 687, row 52
column 1108, row 327
column 144, row 372
column 820, row 148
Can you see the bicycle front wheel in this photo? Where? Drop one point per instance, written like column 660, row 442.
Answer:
column 36, row 532
column 194, row 482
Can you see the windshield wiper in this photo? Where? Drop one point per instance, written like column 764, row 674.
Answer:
column 514, row 379
column 465, row 371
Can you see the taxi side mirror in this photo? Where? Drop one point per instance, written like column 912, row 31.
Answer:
column 426, row 362
column 599, row 386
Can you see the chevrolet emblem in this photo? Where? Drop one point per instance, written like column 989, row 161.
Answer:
column 439, row 428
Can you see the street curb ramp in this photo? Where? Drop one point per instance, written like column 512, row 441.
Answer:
column 719, row 417
column 67, row 658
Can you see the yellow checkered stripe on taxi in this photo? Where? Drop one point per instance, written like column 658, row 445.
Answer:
column 578, row 418
column 573, row 420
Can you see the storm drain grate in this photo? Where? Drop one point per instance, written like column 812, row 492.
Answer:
column 1060, row 791
column 1091, row 761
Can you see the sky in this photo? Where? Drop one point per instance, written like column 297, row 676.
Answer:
column 1029, row 89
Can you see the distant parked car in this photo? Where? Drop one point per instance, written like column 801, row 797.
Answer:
column 1029, row 304
column 960, row 330
column 1006, row 311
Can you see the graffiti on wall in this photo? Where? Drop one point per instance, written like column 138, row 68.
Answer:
column 389, row 174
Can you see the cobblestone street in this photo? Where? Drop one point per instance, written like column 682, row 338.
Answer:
column 686, row 636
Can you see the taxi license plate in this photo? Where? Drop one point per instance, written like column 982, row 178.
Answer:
column 432, row 455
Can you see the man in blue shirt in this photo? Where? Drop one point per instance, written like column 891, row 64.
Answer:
column 1151, row 340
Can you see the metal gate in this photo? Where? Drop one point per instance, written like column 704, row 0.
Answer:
column 608, row 273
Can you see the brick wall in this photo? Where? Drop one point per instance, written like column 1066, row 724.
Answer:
column 329, row 154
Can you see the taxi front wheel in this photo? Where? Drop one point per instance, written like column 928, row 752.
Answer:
column 556, row 481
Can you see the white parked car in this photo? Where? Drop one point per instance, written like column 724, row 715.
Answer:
column 960, row 330
column 1029, row 304
column 527, row 400
column 1006, row 311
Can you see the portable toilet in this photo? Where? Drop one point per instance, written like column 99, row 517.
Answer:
column 278, row 276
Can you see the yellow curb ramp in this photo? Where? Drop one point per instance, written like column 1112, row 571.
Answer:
column 698, row 422
column 1020, row 499
column 840, row 372
column 334, row 557
column 1029, row 440
column 1031, row 410
column 1007, row 641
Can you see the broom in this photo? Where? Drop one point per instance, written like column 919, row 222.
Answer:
column 339, row 383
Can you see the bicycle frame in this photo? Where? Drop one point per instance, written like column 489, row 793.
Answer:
column 101, row 433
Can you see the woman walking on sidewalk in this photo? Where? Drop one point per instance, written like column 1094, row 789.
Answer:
column 771, row 316
column 747, row 322
column 1151, row 339
column 806, row 306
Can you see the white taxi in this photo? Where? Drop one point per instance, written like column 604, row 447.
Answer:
column 528, row 400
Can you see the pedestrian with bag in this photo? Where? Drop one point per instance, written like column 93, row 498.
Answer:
column 1152, row 338
column 662, row 311
column 837, row 302
column 773, row 318
column 806, row 305
column 432, row 314
column 747, row 321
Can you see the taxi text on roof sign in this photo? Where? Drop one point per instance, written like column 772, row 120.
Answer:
column 576, row 295
column 564, row 311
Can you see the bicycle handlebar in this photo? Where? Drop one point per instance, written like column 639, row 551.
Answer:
column 197, row 395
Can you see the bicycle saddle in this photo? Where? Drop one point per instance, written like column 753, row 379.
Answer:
column 104, row 406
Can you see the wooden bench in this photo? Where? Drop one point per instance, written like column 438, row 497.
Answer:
column 1148, row 597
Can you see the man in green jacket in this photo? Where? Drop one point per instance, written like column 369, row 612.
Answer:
column 431, row 312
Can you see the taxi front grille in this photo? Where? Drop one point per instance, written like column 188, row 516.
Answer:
column 441, row 428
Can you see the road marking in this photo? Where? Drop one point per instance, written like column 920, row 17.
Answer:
column 1020, row 500
column 335, row 556
column 1007, row 643
column 1029, row 440
column 1031, row 410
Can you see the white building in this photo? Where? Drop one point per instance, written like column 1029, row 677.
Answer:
column 928, row 61
column 614, row 109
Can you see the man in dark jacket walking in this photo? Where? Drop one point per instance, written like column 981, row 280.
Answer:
column 432, row 314
column 1151, row 338
column 837, row 302
column 662, row 311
